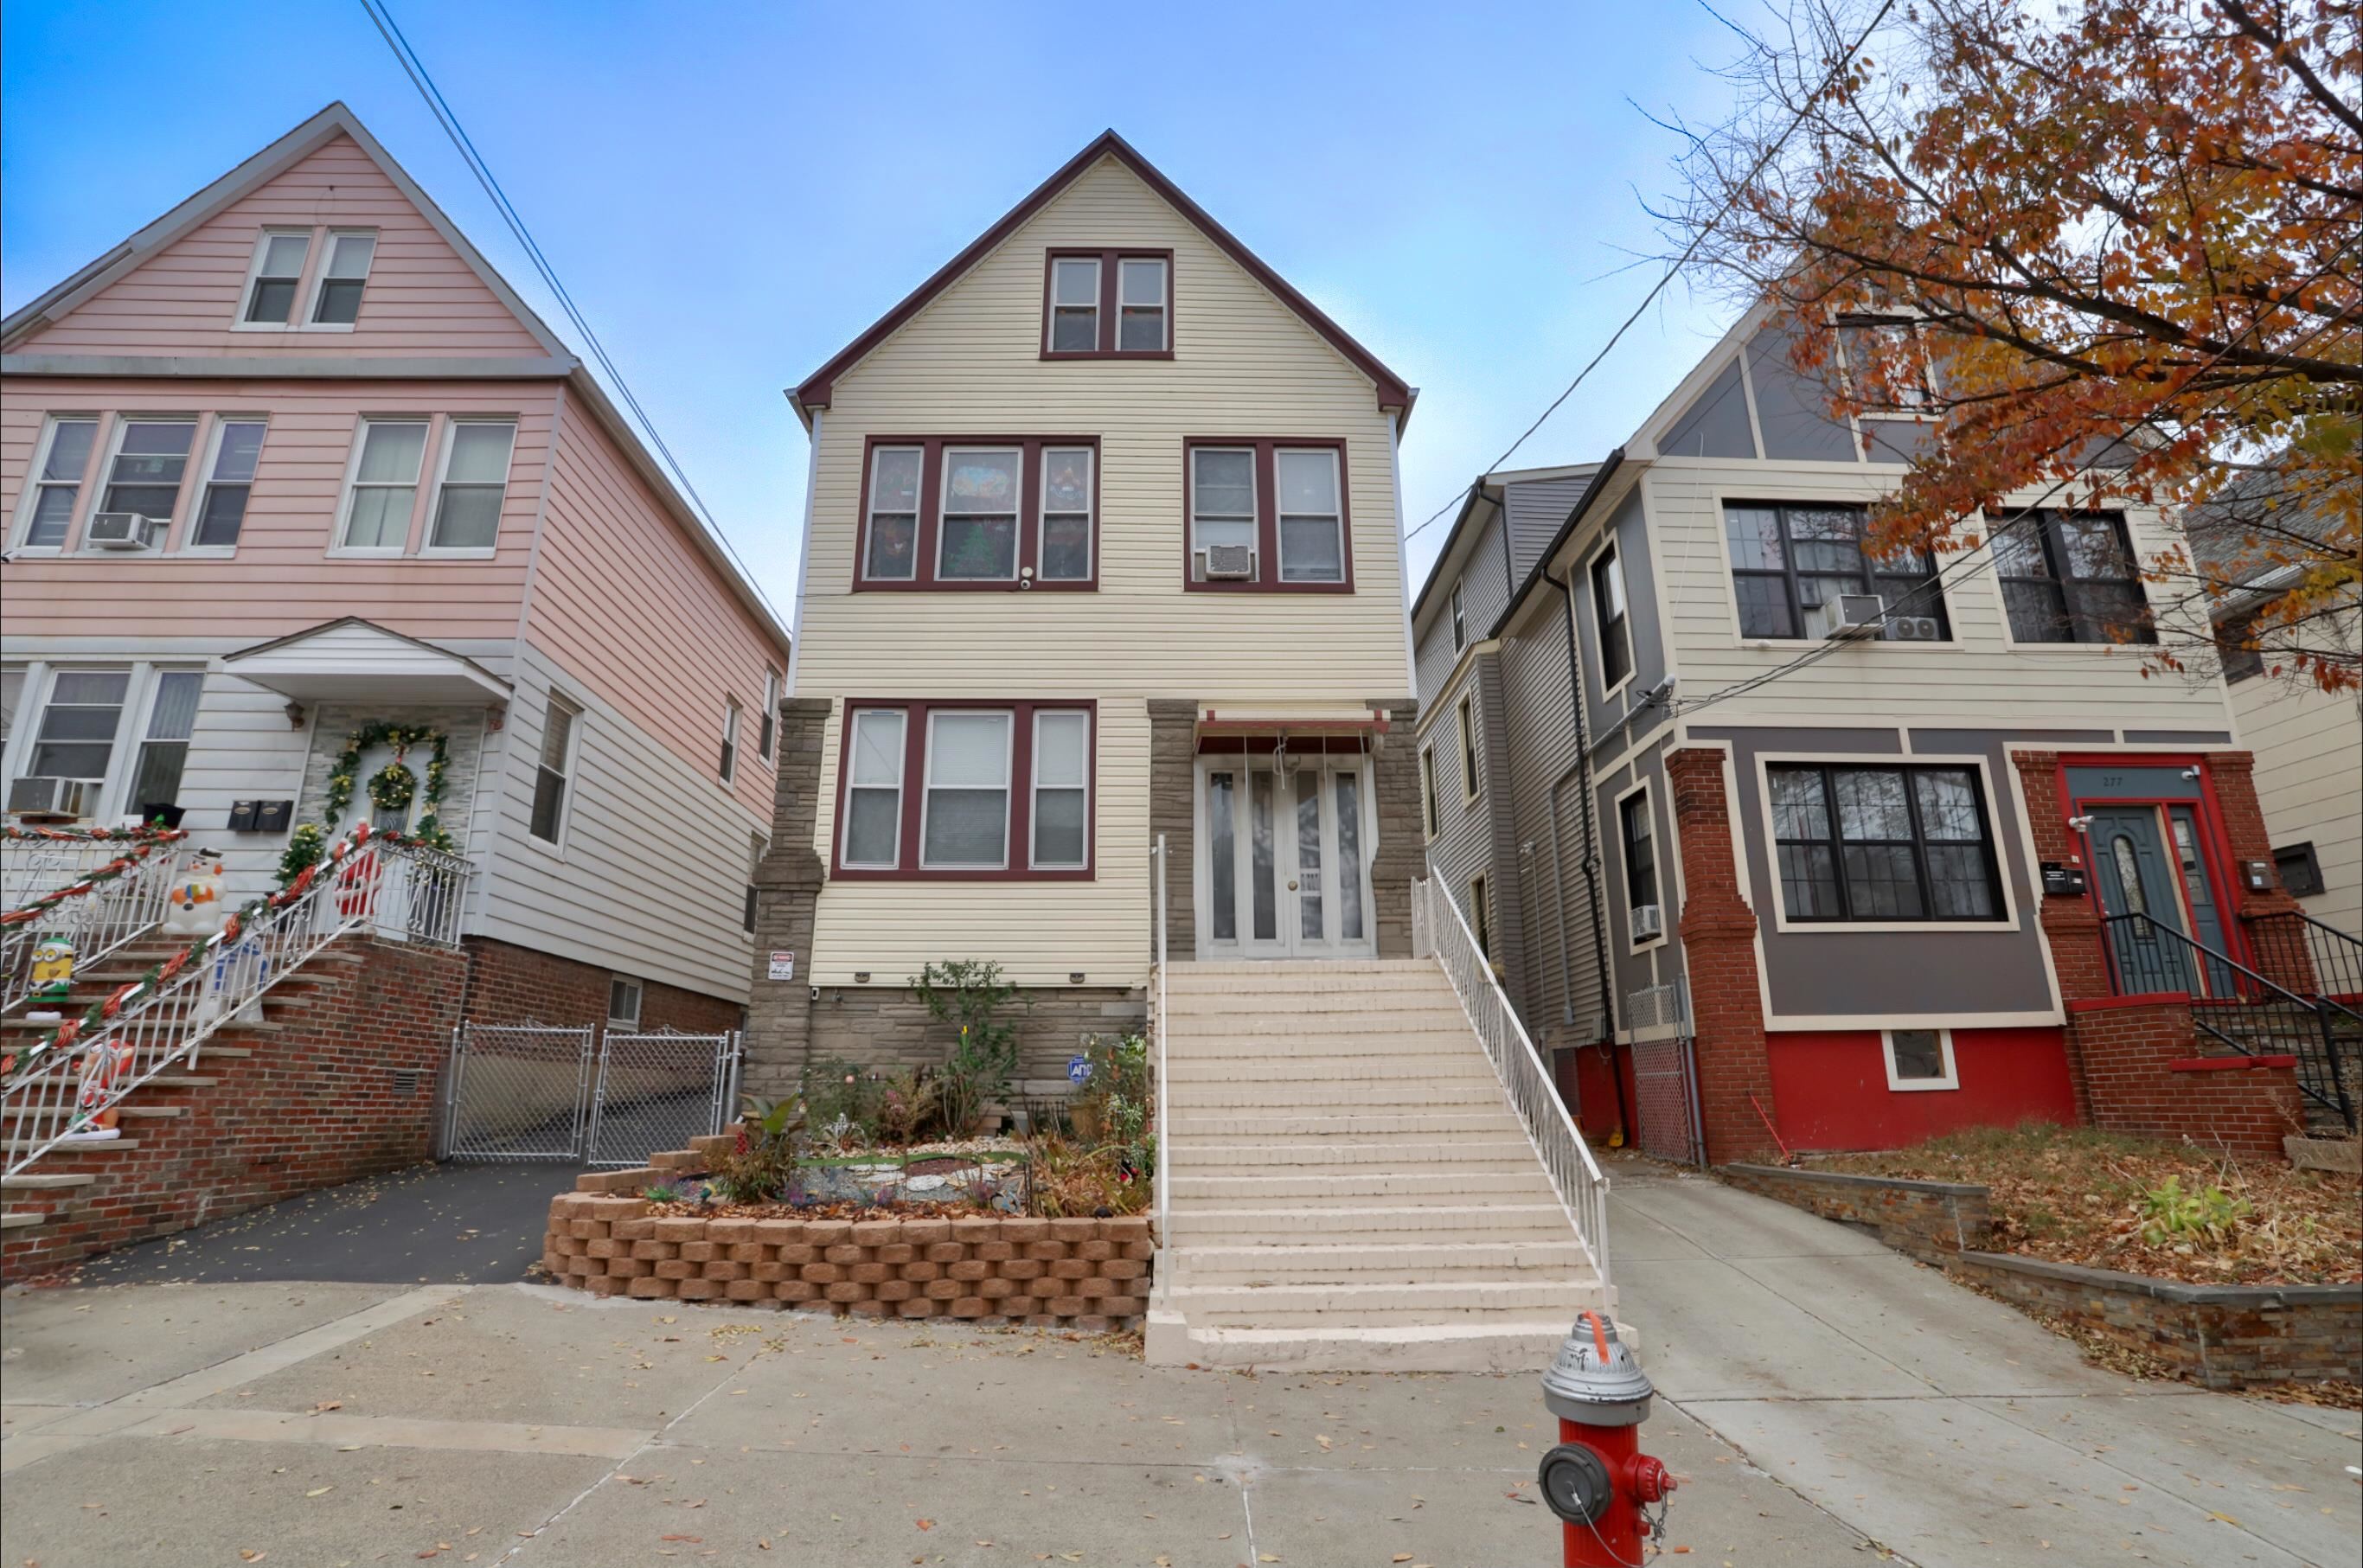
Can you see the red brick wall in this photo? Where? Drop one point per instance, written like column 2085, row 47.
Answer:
column 1735, row 1069
column 316, row 1105
column 512, row 985
column 2130, row 1048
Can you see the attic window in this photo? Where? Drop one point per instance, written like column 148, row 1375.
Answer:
column 1109, row 305
column 337, row 301
column 278, row 270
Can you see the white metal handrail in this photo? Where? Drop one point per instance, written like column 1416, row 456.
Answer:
column 1164, row 1125
column 97, row 920
column 404, row 892
column 1438, row 932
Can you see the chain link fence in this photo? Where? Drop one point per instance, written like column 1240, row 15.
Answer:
column 657, row 1091
column 1665, row 1073
column 517, row 1092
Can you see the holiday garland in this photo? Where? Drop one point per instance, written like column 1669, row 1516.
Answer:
column 259, row 912
column 148, row 844
column 92, row 835
column 391, row 789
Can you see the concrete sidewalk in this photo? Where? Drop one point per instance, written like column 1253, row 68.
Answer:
column 1950, row 1427
column 327, row 1424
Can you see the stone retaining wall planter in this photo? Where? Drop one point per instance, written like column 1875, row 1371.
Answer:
column 1925, row 1219
column 2215, row 1335
column 1087, row 1275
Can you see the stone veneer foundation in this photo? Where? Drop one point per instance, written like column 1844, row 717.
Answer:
column 1087, row 1275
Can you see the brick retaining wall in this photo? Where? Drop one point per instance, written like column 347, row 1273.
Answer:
column 1920, row 1217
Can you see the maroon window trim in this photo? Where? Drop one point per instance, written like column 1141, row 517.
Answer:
column 1267, row 579
column 931, row 501
column 915, row 711
column 1109, row 305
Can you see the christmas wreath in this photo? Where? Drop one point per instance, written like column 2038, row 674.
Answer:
column 393, row 786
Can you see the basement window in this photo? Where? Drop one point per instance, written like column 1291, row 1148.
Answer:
column 1920, row 1059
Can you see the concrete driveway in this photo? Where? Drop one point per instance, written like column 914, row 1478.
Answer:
column 1950, row 1427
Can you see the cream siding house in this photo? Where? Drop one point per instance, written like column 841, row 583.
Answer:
column 1014, row 613
column 380, row 489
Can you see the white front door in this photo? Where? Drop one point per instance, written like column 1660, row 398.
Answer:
column 1283, row 862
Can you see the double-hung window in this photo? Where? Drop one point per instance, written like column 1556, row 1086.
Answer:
column 164, row 749
column 730, row 716
column 1468, row 721
column 556, row 769
column 474, row 482
column 977, row 540
column 890, row 552
column 766, row 733
column 229, row 481
column 1611, row 625
column 57, row 484
column 624, row 1003
column 1786, row 559
column 384, row 485
column 278, row 271
column 1427, row 790
column 1268, row 514
column 1872, row 843
column 1069, row 489
column 75, row 743
column 1108, row 304
column 337, row 298
column 1459, row 619
column 2070, row 577
column 151, row 458
column 958, row 790
column 1885, row 364
column 1640, row 851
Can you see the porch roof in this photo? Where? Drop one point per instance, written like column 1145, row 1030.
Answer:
column 352, row 660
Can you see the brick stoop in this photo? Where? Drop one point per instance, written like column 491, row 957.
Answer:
column 336, row 1082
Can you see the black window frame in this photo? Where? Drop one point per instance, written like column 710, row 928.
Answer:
column 1430, row 811
column 2236, row 649
column 1481, row 915
column 1838, row 842
column 1917, row 590
column 1615, row 657
column 1472, row 777
column 2062, row 587
column 1640, row 857
column 2301, row 858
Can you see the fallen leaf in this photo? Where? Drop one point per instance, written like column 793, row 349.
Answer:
column 247, row 1555
column 1399, row 1557
column 924, row 1524
column 319, row 1491
column 2224, row 1518
column 692, row 1539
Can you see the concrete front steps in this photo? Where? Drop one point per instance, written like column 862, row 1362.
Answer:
column 1350, row 1190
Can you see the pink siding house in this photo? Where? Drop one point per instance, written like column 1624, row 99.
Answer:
column 294, row 460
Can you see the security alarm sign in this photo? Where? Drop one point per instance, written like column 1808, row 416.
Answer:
column 784, row 966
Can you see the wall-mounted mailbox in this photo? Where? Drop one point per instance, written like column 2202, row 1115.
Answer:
column 2063, row 879
column 2256, row 875
column 261, row 816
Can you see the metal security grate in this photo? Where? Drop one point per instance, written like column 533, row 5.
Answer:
column 518, row 1091
column 657, row 1091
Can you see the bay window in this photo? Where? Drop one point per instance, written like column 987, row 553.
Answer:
column 991, row 513
column 1267, row 514
column 1864, row 843
column 965, row 789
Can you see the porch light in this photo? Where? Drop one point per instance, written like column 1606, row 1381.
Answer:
column 294, row 711
column 861, row 977
column 1074, row 978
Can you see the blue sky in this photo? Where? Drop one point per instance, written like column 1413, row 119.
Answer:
column 731, row 193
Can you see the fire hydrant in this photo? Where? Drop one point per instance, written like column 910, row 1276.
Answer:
column 1597, row 1480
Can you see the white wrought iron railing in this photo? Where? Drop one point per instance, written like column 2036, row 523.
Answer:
column 1164, row 1123
column 34, row 860
column 1437, row 931
column 61, row 1084
column 97, row 918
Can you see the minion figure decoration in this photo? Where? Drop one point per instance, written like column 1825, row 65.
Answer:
column 53, row 961
column 196, row 907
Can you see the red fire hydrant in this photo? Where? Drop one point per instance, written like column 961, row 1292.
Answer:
column 1597, row 1480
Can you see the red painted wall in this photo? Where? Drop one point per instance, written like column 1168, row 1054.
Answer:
column 1831, row 1089
column 1591, row 1094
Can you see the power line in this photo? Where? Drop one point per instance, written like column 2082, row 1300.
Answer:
column 445, row 117
column 1666, row 277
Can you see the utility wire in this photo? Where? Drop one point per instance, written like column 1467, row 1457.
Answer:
column 1666, row 277
column 445, row 117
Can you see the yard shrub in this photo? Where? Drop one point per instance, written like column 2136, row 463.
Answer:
column 982, row 1061
column 767, row 1145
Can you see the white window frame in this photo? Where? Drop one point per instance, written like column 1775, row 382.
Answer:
column 731, row 713
column 1050, row 314
column 148, row 685
column 1337, row 518
column 943, row 510
column 1460, row 619
column 296, row 308
column 342, row 523
column 1034, row 787
column 1091, row 514
column 901, row 716
column 1609, row 547
column 568, row 771
column 78, row 542
column 1254, row 514
column 184, row 538
column 128, row 719
column 324, row 248
column 1656, row 867
column 450, row 444
column 631, row 1020
column 767, row 729
column 1902, row 1085
column 1164, row 303
column 1430, row 807
column 29, row 498
column 927, row 786
column 1472, row 764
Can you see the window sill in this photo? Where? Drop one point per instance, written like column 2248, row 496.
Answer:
column 365, row 553
column 1921, row 1085
column 1790, row 644
column 455, row 553
column 973, row 874
column 1781, row 923
column 977, row 586
column 1260, row 586
column 1104, row 353
column 326, row 327
column 203, row 552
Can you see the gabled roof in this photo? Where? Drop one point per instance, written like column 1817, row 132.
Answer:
column 336, row 120
column 815, row 390
column 353, row 658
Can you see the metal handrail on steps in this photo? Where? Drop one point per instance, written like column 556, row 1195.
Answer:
column 393, row 888
column 99, row 917
column 1438, row 932
column 1164, row 1125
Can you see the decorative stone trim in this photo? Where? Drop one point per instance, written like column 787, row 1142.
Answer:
column 1087, row 1275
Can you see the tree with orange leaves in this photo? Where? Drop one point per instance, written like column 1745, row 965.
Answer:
column 2111, row 251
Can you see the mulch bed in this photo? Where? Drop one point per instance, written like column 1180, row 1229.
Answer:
column 2074, row 1197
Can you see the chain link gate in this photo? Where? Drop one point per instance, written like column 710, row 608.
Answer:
column 517, row 1092
column 1665, row 1075
column 657, row 1091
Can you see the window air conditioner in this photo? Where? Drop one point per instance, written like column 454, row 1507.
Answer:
column 1230, row 561
column 122, row 530
column 1648, row 920
column 1844, row 616
column 1912, row 628
column 68, row 797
